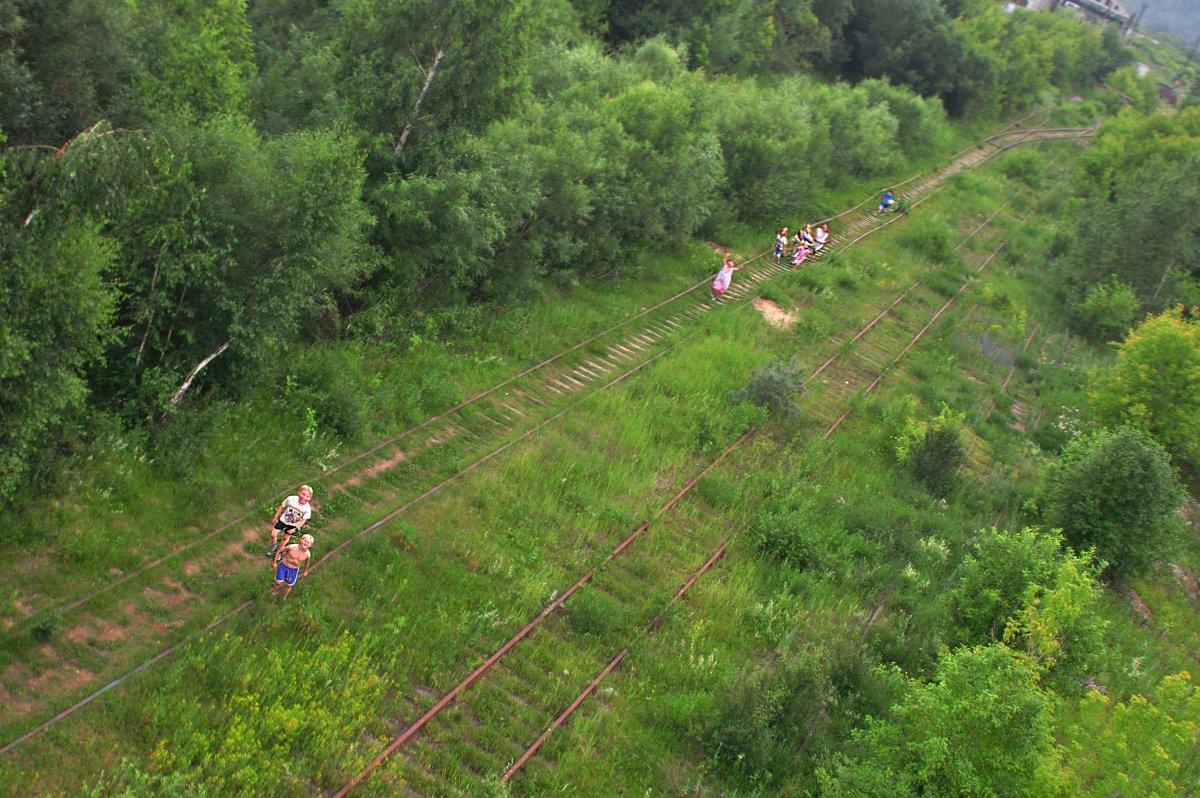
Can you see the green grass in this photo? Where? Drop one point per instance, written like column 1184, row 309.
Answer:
column 719, row 699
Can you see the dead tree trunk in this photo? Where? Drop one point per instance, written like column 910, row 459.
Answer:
column 187, row 383
column 398, row 147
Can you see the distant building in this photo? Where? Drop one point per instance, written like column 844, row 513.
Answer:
column 1111, row 10
column 1099, row 10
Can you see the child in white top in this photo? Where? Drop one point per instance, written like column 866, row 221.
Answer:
column 291, row 515
column 724, row 277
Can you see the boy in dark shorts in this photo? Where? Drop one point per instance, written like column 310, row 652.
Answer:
column 291, row 515
column 288, row 562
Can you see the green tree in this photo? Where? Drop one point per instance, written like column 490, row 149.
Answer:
column 428, row 69
column 1114, row 491
column 65, row 64
column 55, row 319
column 1059, row 627
column 220, row 241
column 1143, row 746
column 911, row 42
column 921, row 123
column 1143, row 234
column 197, row 57
column 981, row 726
column 1131, row 140
column 992, row 579
column 1155, row 384
column 1107, row 311
column 17, row 87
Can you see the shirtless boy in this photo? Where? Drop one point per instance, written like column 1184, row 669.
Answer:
column 291, row 515
column 287, row 565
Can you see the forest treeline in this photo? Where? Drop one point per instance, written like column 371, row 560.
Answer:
column 195, row 190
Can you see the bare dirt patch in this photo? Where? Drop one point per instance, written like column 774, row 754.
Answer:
column 79, row 635
column 174, row 595
column 773, row 314
column 399, row 457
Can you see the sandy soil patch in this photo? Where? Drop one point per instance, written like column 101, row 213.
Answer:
column 773, row 314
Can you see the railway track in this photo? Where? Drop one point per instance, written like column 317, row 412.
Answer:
column 451, row 756
column 488, row 423
column 504, row 405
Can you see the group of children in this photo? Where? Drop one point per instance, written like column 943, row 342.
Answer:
column 805, row 243
column 295, row 510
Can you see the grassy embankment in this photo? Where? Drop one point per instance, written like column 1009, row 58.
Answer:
column 415, row 604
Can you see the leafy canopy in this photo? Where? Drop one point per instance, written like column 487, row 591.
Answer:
column 1114, row 491
column 1155, row 384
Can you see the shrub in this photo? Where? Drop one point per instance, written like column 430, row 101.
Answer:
column 773, row 388
column 979, row 721
column 718, row 490
column 1059, row 626
column 324, row 384
column 933, row 450
column 992, row 579
column 1107, row 311
column 1023, row 165
column 1155, row 384
column 760, row 720
column 593, row 613
column 1114, row 490
column 45, row 625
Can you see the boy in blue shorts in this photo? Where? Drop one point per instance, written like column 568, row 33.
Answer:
column 288, row 562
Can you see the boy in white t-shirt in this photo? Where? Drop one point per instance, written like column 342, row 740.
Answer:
column 291, row 515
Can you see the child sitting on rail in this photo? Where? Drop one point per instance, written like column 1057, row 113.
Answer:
column 799, row 255
column 822, row 237
column 781, row 242
column 807, row 238
column 887, row 201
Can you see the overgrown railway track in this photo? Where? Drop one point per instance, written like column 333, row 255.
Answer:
column 509, row 687
column 493, row 420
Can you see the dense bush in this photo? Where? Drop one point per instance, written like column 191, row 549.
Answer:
column 1115, row 491
column 759, row 722
column 934, row 240
column 1107, row 311
column 979, row 721
column 774, row 387
column 1059, row 627
column 1155, row 384
column 933, row 450
column 992, row 579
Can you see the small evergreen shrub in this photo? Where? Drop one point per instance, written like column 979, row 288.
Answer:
column 773, row 388
column 592, row 613
column 933, row 450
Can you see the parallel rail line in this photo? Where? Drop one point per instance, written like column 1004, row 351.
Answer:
column 432, row 783
column 633, row 348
